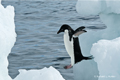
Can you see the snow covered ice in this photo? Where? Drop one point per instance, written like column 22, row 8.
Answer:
column 106, row 51
column 7, row 38
column 43, row 74
column 107, row 55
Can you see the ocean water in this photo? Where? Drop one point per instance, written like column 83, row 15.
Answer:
column 38, row 45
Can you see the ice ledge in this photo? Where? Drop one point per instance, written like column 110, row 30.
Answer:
column 107, row 56
column 45, row 74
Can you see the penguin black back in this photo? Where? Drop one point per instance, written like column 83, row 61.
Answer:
column 77, row 50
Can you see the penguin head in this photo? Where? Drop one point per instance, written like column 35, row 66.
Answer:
column 63, row 28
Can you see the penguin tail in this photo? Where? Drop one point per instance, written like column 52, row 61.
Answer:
column 88, row 58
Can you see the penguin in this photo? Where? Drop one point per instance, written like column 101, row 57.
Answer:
column 71, row 42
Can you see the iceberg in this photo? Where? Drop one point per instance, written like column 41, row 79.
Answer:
column 7, row 40
column 95, row 7
column 109, row 13
column 107, row 55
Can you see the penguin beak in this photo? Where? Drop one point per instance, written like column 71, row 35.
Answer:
column 59, row 31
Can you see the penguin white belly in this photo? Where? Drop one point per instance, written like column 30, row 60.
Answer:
column 69, row 46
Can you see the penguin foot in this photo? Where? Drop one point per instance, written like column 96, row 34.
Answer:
column 68, row 67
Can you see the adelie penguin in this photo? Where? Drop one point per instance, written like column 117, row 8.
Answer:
column 71, row 42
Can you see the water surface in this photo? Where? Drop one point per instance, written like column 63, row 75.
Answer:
column 38, row 45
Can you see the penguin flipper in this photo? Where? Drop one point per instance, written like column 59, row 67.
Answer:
column 79, row 31
column 80, row 28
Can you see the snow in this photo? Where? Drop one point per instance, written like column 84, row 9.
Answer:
column 107, row 55
column 43, row 74
column 7, row 40
column 105, row 51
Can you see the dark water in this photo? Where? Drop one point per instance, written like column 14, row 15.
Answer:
column 38, row 45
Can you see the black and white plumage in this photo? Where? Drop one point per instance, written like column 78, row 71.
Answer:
column 71, row 42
